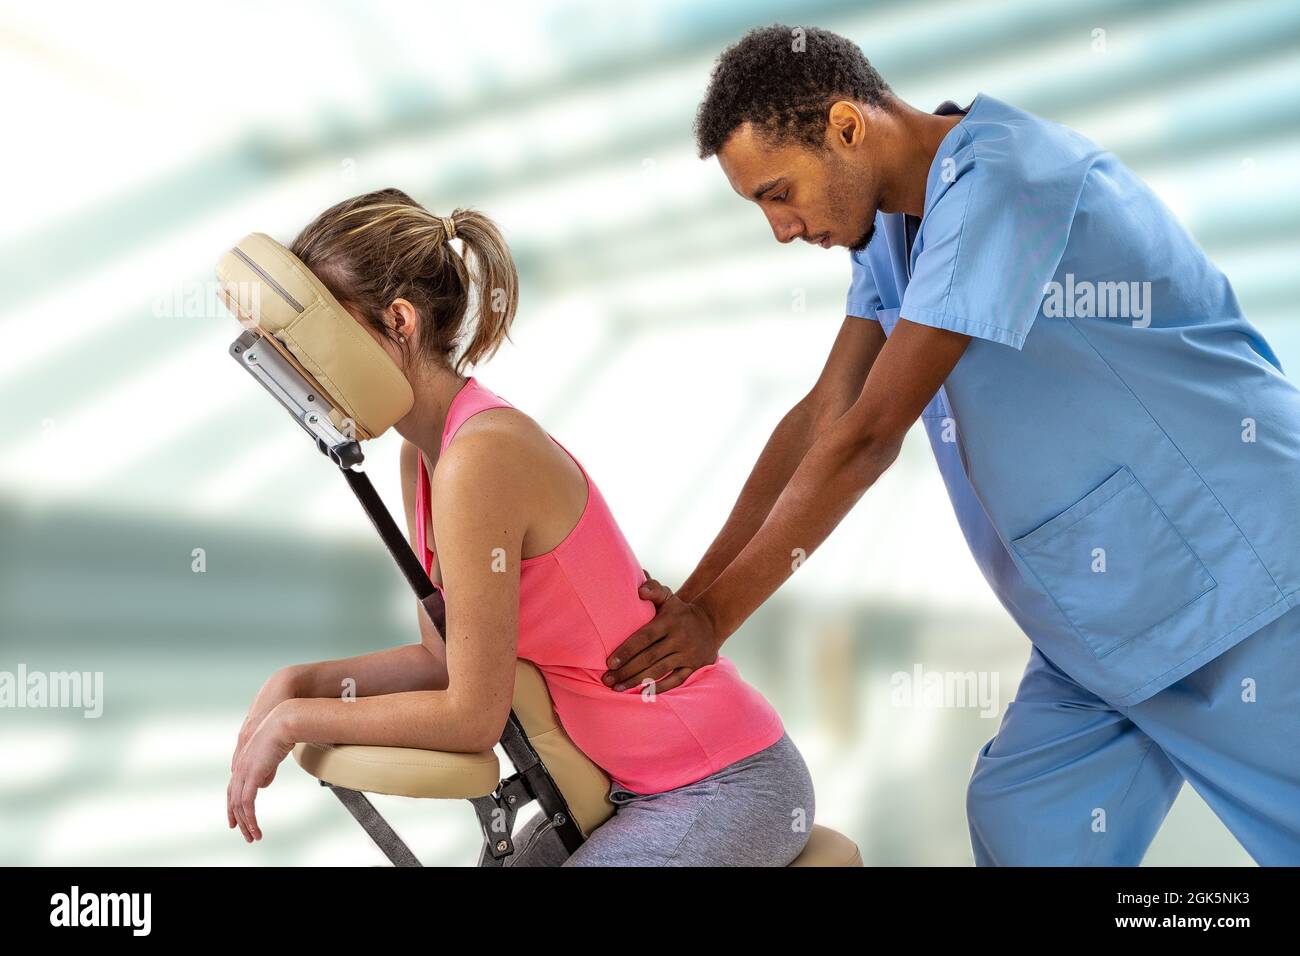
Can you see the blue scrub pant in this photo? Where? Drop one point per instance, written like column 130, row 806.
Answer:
column 1071, row 780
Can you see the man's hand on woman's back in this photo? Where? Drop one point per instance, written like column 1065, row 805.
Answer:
column 679, row 641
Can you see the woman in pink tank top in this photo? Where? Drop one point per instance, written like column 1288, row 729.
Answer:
column 532, row 565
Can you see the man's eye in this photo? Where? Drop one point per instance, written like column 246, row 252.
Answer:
column 781, row 198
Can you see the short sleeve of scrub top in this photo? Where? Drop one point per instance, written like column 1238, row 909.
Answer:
column 989, row 243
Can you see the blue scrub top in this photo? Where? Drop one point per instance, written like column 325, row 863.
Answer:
column 1120, row 445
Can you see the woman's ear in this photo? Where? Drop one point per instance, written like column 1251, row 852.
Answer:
column 404, row 319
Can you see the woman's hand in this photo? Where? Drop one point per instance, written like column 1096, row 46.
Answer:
column 255, row 768
column 278, row 688
column 679, row 641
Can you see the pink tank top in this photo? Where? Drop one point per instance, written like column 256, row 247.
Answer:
column 577, row 603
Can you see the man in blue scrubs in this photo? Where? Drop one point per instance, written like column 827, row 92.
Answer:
column 1119, row 443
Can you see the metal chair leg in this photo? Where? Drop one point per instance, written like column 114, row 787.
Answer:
column 385, row 837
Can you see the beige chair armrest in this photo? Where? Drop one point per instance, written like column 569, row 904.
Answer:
column 401, row 771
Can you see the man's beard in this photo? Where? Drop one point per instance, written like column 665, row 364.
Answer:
column 865, row 238
column 849, row 184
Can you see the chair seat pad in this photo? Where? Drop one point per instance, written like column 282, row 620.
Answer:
column 826, row 847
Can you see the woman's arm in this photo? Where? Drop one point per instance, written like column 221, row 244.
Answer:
column 420, row 666
column 390, row 671
column 481, row 508
column 410, row 667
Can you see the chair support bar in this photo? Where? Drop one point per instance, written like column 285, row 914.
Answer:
column 385, row 837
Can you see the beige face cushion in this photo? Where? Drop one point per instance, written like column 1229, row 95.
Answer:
column 271, row 292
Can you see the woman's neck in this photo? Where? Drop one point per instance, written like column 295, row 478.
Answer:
column 423, row 425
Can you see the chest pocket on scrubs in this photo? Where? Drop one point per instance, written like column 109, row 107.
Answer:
column 1114, row 564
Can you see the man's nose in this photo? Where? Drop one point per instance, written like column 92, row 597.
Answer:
column 784, row 228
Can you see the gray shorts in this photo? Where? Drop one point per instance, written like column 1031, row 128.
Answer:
column 756, row 812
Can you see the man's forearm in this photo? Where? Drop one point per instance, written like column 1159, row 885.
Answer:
column 830, row 480
column 781, row 456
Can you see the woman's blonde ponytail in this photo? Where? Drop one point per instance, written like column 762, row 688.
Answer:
column 496, row 285
column 373, row 249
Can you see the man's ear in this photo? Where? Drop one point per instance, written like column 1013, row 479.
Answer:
column 847, row 124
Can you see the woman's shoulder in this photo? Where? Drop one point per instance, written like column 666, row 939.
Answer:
column 498, row 447
column 502, row 432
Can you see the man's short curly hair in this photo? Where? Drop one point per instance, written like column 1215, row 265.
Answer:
column 784, row 80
